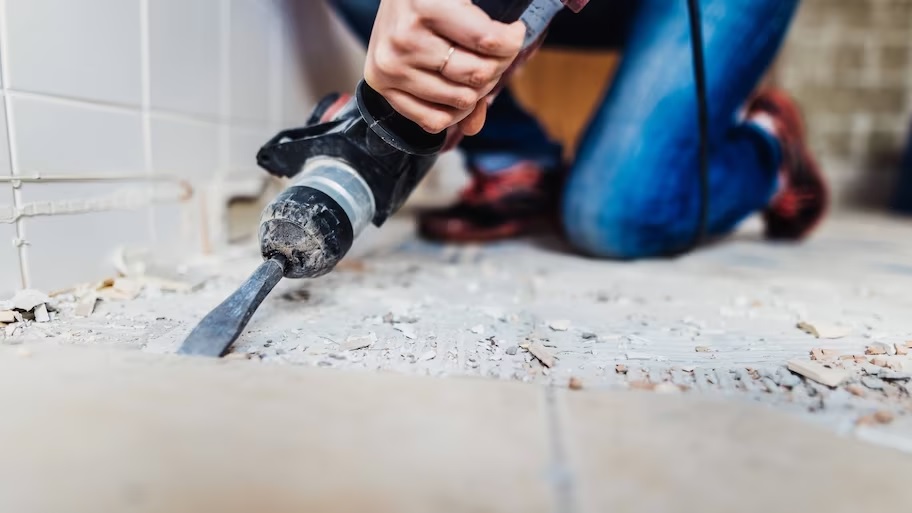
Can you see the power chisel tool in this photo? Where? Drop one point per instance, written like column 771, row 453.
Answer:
column 354, row 169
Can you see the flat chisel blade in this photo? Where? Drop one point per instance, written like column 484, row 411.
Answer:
column 218, row 330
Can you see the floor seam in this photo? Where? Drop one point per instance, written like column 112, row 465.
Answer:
column 560, row 474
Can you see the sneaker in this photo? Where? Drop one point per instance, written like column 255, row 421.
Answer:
column 511, row 202
column 803, row 196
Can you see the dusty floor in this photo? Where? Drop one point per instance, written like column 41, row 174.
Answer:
column 446, row 311
column 89, row 430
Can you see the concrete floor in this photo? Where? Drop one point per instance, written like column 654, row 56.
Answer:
column 457, row 311
column 88, row 430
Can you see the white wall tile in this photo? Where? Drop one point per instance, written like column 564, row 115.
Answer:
column 64, row 137
column 185, row 148
column 70, row 249
column 179, row 230
column 5, row 166
column 85, row 49
column 252, row 25
column 10, row 276
column 244, row 143
column 184, row 45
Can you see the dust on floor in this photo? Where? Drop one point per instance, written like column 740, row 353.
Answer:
column 724, row 320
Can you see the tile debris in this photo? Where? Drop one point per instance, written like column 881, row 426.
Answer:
column 406, row 329
column 541, row 354
column 575, row 383
column 878, row 417
column 879, row 348
column 824, row 354
column 819, row 373
column 824, row 330
column 360, row 342
column 559, row 325
column 478, row 330
column 27, row 300
column 41, row 313
column 86, row 306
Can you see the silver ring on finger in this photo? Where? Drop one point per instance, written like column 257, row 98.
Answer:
column 446, row 59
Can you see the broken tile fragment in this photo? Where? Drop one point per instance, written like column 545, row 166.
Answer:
column 575, row 383
column 86, row 306
column 27, row 299
column 703, row 349
column 588, row 335
column 10, row 329
column 824, row 354
column 879, row 348
column 634, row 355
column 7, row 316
column 817, row 372
column 878, row 417
column 360, row 342
column 121, row 289
column 169, row 278
column 856, row 390
column 406, row 329
column 478, row 330
column 541, row 353
column 824, row 330
column 41, row 313
column 872, row 382
column 427, row 356
column 901, row 349
column 620, row 368
column 512, row 350
column 559, row 325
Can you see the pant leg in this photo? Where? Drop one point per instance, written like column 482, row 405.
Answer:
column 510, row 133
column 634, row 190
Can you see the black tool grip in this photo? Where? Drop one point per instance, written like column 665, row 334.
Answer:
column 404, row 134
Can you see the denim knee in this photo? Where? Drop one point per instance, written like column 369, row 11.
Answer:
column 627, row 226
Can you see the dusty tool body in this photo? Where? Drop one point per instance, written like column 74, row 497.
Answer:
column 346, row 172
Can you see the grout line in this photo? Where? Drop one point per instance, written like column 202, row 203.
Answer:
column 110, row 107
column 21, row 245
column 216, row 201
column 276, row 70
column 560, row 474
column 146, row 73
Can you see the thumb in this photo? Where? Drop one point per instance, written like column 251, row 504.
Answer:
column 474, row 122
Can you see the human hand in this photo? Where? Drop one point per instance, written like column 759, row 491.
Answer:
column 435, row 61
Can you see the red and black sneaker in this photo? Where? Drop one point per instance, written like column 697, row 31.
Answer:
column 511, row 202
column 803, row 197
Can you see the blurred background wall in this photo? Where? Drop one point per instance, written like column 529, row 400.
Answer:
column 111, row 108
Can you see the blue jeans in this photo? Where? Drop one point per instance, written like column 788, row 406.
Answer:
column 633, row 190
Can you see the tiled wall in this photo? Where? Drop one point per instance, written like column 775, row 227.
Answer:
column 136, row 91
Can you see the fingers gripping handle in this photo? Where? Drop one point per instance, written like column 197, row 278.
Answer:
column 404, row 134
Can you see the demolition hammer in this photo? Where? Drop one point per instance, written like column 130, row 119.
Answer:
column 356, row 168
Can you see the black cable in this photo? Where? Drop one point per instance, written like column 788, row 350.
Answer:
column 699, row 66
